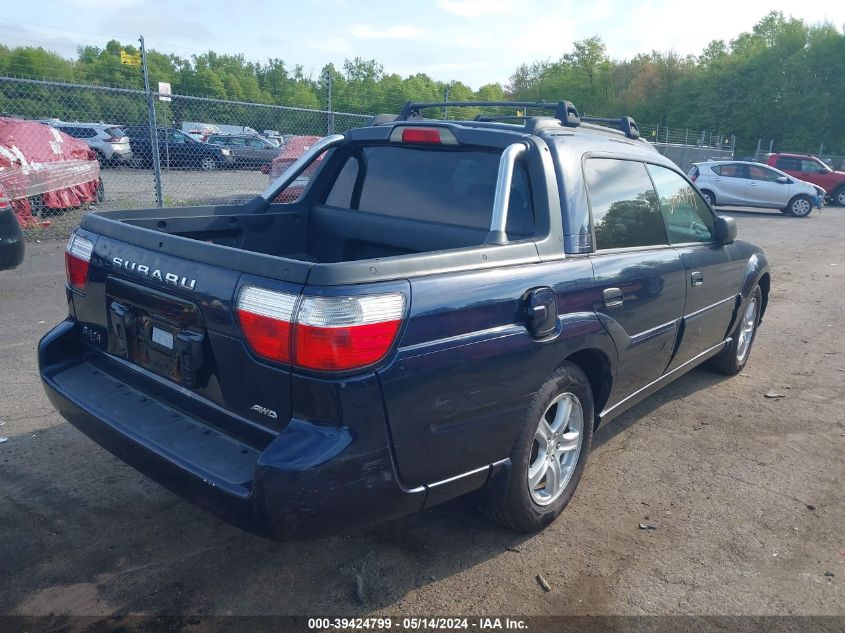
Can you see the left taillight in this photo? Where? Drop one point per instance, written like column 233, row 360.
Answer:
column 345, row 333
column 77, row 260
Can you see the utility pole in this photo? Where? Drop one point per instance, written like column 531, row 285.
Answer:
column 151, row 115
column 329, row 112
column 446, row 108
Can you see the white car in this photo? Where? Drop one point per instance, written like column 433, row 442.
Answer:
column 747, row 184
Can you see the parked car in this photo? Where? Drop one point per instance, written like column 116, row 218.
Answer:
column 441, row 312
column 177, row 150
column 726, row 182
column 274, row 136
column 109, row 142
column 293, row 149
column 249, row 150
column 11, row 236
column 813, row 170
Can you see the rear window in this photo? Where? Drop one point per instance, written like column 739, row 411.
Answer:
column 447, row 186
column 115, row 132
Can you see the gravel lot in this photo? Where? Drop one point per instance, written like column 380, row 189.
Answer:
column 746, row 491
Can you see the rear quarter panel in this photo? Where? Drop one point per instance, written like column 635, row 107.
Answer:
column 467, row 367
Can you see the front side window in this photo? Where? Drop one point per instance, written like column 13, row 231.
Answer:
column 687, row 217
column 624, row 204
column 813, row 167
column 758, row 172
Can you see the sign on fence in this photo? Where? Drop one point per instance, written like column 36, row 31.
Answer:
column 164, row 91
column 130, row 59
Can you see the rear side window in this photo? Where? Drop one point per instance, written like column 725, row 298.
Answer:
column 788, row 163
column 729, row 171
column 446, row 186
column 686, row 215
column 624, row 205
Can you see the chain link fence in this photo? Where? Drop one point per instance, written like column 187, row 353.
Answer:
column 210, row 151
column 768, row 146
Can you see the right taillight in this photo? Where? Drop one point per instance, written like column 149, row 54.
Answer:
column 321, row 333
column 77, row 259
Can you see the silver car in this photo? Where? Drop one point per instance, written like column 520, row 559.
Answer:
column 748, row 184
column 109, row 142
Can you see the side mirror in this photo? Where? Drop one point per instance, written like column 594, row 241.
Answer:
column 783, row 180
column 11, row 239
column 725, row 229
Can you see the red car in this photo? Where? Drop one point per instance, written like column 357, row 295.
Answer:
column 295, row 147
column 811, row 169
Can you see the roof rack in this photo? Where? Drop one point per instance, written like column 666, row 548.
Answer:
column 564, row 111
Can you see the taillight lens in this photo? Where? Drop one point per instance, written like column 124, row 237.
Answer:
column 343, row 333
column 324, row 333
column 5, row 202
column 77, row 259
column 266, row 317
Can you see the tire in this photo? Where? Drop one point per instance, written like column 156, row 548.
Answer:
column 800, row 206
column 510, row 499
column 208, row 163
column 709, row 197
column 839, row 196
column 731, row 360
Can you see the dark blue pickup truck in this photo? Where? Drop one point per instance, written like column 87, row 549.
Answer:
column 448, row 307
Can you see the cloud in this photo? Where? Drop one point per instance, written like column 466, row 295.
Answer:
column 474, row 8
column 395, row 32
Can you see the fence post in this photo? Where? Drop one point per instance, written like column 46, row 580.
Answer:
column 151, row 115
column 771, row 144
column 329, row 112
column 686, row 136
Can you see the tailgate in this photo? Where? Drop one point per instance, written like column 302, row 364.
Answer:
column 172, row 318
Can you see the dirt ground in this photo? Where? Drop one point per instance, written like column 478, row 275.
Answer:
column 746, row 492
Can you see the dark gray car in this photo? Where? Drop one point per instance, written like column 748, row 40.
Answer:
column 250, row 151
column 11, row 236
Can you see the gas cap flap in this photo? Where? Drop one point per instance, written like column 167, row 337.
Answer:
column 540, row 311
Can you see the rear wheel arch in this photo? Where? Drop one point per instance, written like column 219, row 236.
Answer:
column 765, row 284
column 596, row 366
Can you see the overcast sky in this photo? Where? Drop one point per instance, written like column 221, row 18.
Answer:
column 475, row 41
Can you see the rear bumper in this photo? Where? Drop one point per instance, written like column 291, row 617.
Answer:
column 122, row 155
column 309, row 480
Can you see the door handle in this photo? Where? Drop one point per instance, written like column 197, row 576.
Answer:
column 696, row 278
column 612, row 297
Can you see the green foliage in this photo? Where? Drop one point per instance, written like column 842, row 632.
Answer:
column 781, row 81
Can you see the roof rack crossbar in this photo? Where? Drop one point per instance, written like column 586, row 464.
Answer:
column 564, row 111
column 626, row 124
